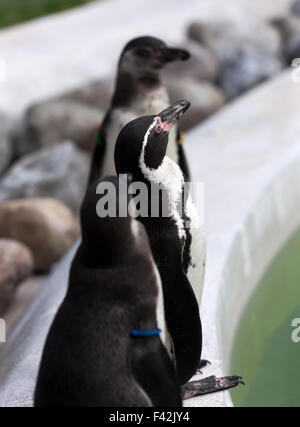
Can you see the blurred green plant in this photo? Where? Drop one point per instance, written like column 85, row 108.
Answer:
column 16, row 11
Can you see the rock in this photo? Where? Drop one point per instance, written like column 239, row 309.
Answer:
column 5, row 143
column 97, row 94
column 295, row 8
column 202, row 64
column 46, row 226
column 205, row 99
column 60, row 172
column 220, row 38
column 16, row 264
column 244, row 68
column 54, row 121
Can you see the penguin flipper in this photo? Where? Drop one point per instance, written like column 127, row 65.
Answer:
column 98, row 153
column 97, row 159
column 182, row 158
column 155, row 373
column 209, row 385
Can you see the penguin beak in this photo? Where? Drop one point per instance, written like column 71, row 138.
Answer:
column 170, row 54
column 172, row 114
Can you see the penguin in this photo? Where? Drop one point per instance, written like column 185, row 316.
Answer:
column 177, row 239
column 104, row 346
column 138, row 91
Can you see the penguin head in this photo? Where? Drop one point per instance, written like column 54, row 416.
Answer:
column 146, row 56
column 142, row 143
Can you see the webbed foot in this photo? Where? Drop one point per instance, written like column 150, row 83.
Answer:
column 209, row 385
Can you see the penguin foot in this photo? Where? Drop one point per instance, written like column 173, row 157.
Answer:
column 202, row 364
column 209, row 385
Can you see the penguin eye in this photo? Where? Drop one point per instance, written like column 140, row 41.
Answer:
column 144, row 52
column 158, row 129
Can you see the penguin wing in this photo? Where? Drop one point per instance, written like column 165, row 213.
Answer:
column 155, row 373
column 182, row 157
column 99, row 151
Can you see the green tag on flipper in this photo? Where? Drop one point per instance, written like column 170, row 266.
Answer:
column 98, row 139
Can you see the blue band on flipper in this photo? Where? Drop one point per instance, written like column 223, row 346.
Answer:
column 138, row 333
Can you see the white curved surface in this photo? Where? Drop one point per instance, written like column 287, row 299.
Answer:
column 248, row 157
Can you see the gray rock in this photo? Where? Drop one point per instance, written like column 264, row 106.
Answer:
column 59, row 171
column 16, row 264
column 205, row 99
column 97, row 94
column 51, row 122
column 245, row 67
column 6, row 126
column 222, row 37
column 296, row 7
column 202, row 64
column 44, row 225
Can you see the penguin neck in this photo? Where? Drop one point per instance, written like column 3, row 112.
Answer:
column 129, row 86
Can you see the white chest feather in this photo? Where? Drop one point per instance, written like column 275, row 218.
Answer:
column 160, row 312
column 196, row 270
column 169, row 176
column 118, row 120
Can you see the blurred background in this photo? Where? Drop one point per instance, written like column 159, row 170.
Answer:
column 57, row 68
column 13, row 12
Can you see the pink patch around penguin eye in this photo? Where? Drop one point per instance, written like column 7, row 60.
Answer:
column 165, row 126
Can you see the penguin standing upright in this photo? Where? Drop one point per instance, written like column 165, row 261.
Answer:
column 104, row 348
column 177, row 239
column 139, row 91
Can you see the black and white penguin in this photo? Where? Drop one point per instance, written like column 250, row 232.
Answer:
column 139, row 91
column 177, row 239
column 104, row 346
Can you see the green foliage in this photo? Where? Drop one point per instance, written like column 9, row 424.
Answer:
column 16, row 11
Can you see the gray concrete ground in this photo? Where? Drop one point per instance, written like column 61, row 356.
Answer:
column 23, row 297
